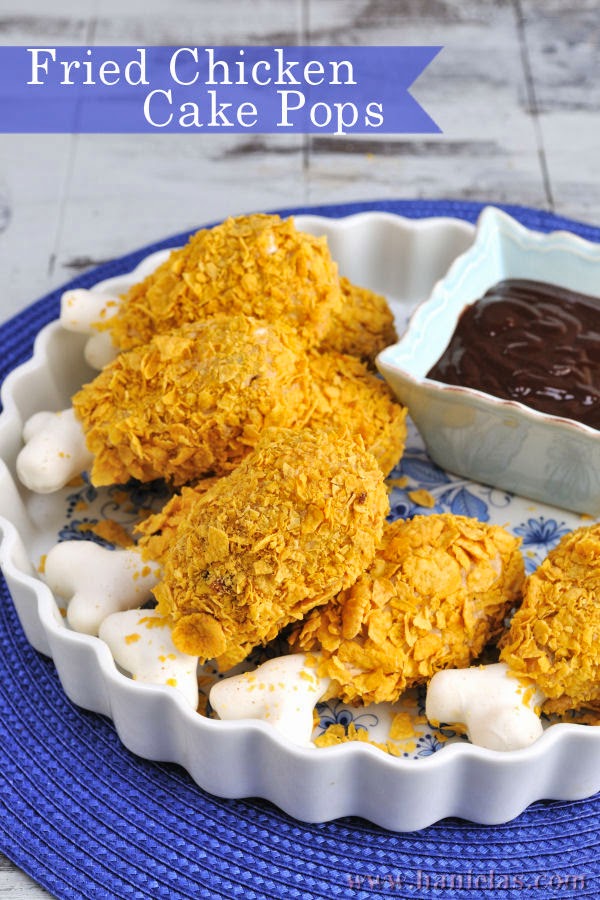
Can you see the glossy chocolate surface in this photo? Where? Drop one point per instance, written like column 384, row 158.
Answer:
column 532, row 342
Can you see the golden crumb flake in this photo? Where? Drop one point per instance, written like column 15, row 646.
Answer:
column 154, row 621
column 108, row 530
column 402, row 727
column 422, row 497
column 397, row 482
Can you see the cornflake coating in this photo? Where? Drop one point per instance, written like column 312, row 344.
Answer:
column 158, row 529
column 193, row 401
column 436, row 593
column 258, row 265
column 294, row 524
column 350, row 398
column 363, row 326
column 553, row 636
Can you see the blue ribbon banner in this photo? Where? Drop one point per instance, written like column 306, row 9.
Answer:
column 267, row 90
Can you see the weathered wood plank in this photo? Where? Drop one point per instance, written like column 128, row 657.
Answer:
column 16, row 885
column 475, row 90
column 562, row 42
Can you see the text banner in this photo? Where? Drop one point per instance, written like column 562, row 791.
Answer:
column 268, row 90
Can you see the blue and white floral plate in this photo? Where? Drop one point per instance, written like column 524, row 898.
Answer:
column 432, row 773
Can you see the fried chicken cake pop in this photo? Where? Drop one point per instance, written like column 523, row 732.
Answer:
column 193, row 401
column 553, row 636
column 258, row 265
column 348, row 397
column 295, row 523
column 363, row 326
column 549, row 659
column 436, row 593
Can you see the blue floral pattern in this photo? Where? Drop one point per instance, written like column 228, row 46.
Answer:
column 122, row 504
column 428, row 745
column 334, row 712
column 449, row 493
column 539, row 535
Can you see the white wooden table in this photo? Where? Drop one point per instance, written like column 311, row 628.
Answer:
column 516, row 91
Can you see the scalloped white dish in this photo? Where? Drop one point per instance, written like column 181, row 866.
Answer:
column 436, row 773
column 500, row 442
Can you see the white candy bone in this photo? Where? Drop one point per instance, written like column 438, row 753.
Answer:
column 498, row 710
column 97, row 582
column 99, row 350
column 81, row 311
column 282, row 691
column 55, row 451
column 141, row 644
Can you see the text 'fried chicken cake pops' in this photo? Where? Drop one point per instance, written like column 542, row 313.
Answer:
column 257, row 265
column 436, row 593
column 295, row 523
column 193, row 401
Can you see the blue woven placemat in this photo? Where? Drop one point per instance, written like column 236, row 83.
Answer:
column 86, row 818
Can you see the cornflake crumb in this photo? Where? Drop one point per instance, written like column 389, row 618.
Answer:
column 339, row 734
column 108, row 530
column 423, row 498
column 397, row 482
column 402, row 727
column 154, row 621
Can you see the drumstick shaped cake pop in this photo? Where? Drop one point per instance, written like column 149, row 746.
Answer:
column 195, row 401
column 188, row 403
column 436, row 592
column 549, row 658
column 295, row 523
column 257, row 265
column 435, row 595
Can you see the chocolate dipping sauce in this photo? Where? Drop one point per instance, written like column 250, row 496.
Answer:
column 532, row 342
